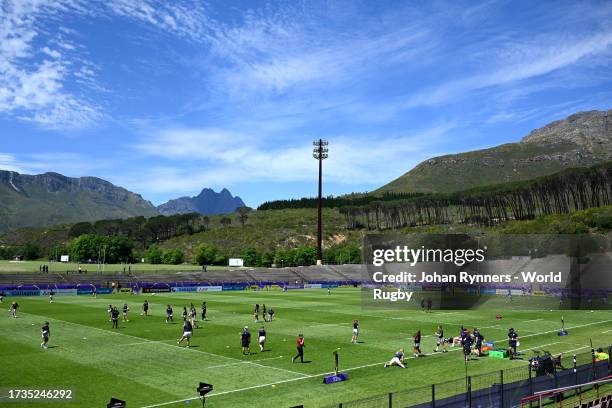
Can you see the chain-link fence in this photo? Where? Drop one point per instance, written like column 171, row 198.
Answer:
column 499, row 389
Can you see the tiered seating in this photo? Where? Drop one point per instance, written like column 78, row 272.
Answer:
column 274, row 274
column 603, row 402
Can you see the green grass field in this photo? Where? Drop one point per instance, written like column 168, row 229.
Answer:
column 141, row 363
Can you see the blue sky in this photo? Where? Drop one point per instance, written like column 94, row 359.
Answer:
column 168, row 97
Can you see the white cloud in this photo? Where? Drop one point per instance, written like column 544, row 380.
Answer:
column 192, row 158
column 518, row 62
column 32, row 78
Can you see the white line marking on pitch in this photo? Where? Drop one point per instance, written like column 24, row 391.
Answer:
column 607, row 331
column 244, row 362
column 307, row 376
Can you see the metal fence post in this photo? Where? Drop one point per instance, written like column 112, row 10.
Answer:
column 433, row 395
column 390, row 400
column 469, row 391
column 501, row 388
column 530, row 383
column 609, row 359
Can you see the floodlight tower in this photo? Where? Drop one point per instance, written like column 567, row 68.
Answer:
column 320, row 152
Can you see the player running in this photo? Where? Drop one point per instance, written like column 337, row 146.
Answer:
column 184, row 313
column 417, row 343
column 115, row 318
column 45, row 333
column 145, row 308
column 187, row 333
column 398, row 359
column 300, row 349
column 125, row 312
column 1, row 297
column 262, row 338
column 265, row 313
column 355, row 331
column 169, row 314
column 441, row 340
column 13, row 309
column 256, row 313
column 245, row 340
column 51, row 293
column 203, row 311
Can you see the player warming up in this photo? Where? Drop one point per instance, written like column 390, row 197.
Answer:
column 13, row 309
column 115, row 318
column 398, row 359
column 262, row 338
column 300, row 349
column 441, row 340
column 169, row 314
column 417, row 343
column 125, row 312
column 145, row 308
column 355, row 331
column 45, row 333
column 245, row 340
column 512, row 342
column 187, row 333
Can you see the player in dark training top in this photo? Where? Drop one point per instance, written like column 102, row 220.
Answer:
column 441, row 342
column 169, row 314
column 203, row 310
column 466, row 343
column 417, row 343
column 145, row 308
column 187, row 333
column 115, row 318
column 478, row 339
column 245, row 340
column 398, row 359
column 13, row 309
column 355, row 331
column 512, row 342
column 264, row 312
column 125, row 312
column 262, row 338
column 184, row 313
column 45, row 333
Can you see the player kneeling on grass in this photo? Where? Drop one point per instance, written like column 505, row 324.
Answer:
column 262, row 338
column 245, row 340
column 398, row 359
column 45, row 333
column 187, row 332
column 355, row 331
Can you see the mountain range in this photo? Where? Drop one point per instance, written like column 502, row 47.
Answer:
column 51, row 198
column 208, row 202
column 581, row 140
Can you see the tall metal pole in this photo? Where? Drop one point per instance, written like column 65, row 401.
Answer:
column 320, row 153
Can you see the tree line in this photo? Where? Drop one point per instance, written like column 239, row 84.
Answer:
column 562, row 193
column 335, row 202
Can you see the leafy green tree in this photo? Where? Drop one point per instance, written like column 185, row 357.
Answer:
column 154, row 254
column 250, row 256
column 209, row 255
column 242, row 213
column 226, row 221
column 173, row 257
column 30, row 252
